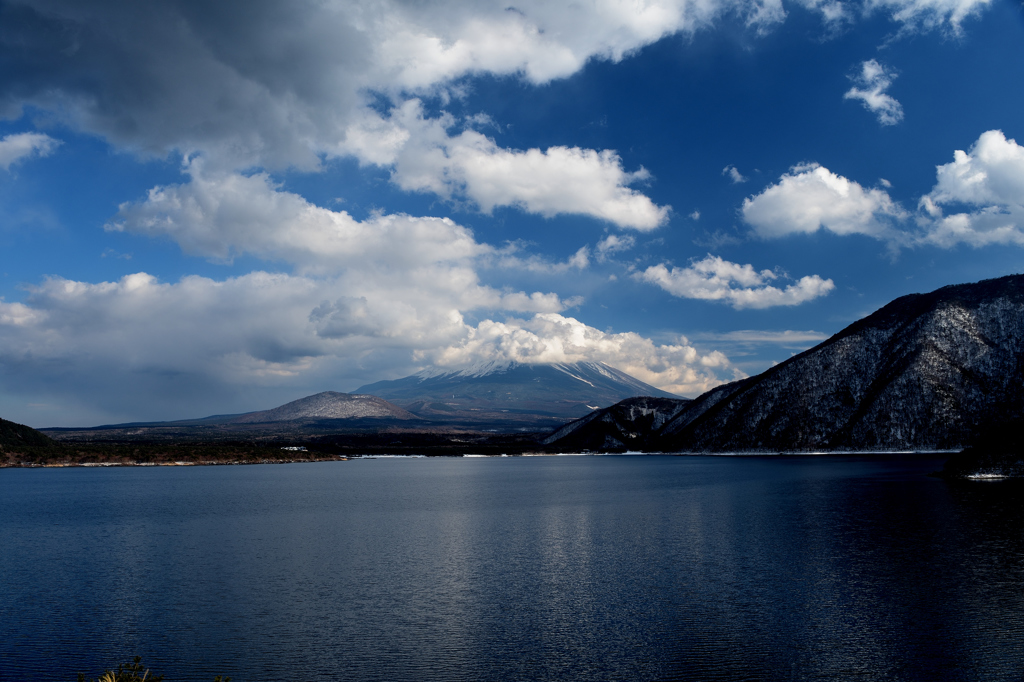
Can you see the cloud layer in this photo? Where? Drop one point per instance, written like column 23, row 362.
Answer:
column 274, row 84
column 366, row 299
column 176, row 350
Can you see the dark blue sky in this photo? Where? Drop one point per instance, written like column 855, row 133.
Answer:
column 219, row 213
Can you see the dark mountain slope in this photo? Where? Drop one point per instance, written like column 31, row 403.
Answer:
column 18, row 441
column 925, row 371
column 623, row 426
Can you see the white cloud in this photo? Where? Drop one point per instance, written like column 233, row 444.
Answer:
column 929, row 14
column 992, row 172
column 733, row 174
column 507, row 258
column 18, row 146
column 715, row 279
column 471, row 166
column 549, row 337
column 912, row 15
column 988, row 179
column 833, row 12
column 811, row 197
column 871, row 84
column 614, row 244
column 762, row 15
column 978, row 200
column 427, row 262
column 221, row 215
column 695, row 215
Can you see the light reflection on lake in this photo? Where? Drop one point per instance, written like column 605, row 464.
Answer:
column 570, row 568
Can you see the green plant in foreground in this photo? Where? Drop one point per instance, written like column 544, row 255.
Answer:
column 135, row 672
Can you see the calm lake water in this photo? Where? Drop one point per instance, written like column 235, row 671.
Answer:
column 541, row 568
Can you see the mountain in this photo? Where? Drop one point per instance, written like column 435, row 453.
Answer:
column 326, row 412
column 927, row 371
column 326, row 405
column 626, row 425
column 512, row 392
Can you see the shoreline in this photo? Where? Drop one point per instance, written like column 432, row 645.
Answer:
column 370, row 455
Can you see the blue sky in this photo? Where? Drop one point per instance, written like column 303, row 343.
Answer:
column 220, row 208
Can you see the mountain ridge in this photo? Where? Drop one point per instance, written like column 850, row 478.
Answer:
column 925, row 371
column 540, row 394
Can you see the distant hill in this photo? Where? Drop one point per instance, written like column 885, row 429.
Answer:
column 18, row 441
column 533, row 394
column 326, row 405
column 925, row 371
column 326, row 412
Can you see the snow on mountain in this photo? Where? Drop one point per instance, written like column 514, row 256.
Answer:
column 509, row 390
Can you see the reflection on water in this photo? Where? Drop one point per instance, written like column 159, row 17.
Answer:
column 577, row 568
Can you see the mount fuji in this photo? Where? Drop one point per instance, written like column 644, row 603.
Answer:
column 510, row 392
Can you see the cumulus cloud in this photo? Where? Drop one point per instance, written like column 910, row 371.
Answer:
column 18, row 146
column 811, row 197
column 987, row 184
column 221, row 215
column 549, row 182
column 715, row 279
column 871, row 84
column 978, row 200
column 549, row 337
column 389, row 260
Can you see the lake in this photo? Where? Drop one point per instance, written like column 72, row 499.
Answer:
column 519, row 568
